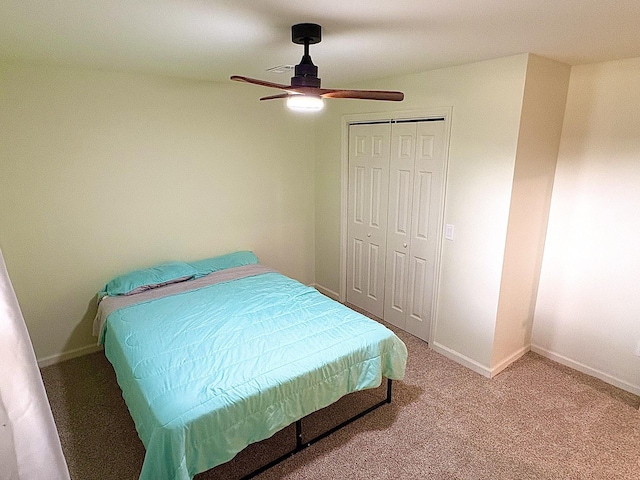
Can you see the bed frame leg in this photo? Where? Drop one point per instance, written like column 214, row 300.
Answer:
column 298, row 435
column 300, row 445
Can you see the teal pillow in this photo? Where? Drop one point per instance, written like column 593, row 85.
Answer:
column 148, row 278
column 222, row 262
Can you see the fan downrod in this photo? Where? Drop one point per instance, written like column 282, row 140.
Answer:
column 306, row 73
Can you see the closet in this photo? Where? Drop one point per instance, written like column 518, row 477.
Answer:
column 395, row 201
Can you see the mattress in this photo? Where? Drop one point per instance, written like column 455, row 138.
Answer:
column 210, row 365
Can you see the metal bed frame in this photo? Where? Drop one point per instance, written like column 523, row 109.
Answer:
column 300, row 445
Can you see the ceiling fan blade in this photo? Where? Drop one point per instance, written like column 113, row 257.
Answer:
column 363, row 94
column 262, row 83
column 272, row 97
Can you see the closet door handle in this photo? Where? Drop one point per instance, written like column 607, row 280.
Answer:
column 368, row 234
column 404, row 245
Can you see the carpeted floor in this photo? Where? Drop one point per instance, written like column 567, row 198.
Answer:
column 536, row 420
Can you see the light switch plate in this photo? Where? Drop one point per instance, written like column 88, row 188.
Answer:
column 449, row 231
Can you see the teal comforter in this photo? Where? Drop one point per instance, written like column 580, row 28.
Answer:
column 207, row 372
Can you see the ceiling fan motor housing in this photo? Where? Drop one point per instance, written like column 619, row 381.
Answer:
column 302, row 33
column 306, row 73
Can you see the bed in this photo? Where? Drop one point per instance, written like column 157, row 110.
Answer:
column 214, row 355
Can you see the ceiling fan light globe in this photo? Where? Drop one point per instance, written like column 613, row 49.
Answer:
column 305, row 103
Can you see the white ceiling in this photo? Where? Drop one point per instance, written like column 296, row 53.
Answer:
column 362, row 39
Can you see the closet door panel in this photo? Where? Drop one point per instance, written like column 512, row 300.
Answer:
column 422, row 206
column 428, row 190
column 356, row 267
column 398, row 290
column 418, row 288
column 401, row 180
column 367, row 215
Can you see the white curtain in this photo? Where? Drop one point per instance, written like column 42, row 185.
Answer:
column 29, row 443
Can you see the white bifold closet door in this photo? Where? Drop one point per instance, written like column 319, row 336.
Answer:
column 409, row 188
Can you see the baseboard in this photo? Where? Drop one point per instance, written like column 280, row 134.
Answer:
column 509, row 360
column 461, row 359
column 325, row 291
column 616, row 382
column 68, row 355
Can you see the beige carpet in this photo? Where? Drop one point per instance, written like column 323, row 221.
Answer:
column 536, row 420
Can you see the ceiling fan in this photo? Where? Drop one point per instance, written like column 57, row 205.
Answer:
column 305, row 92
